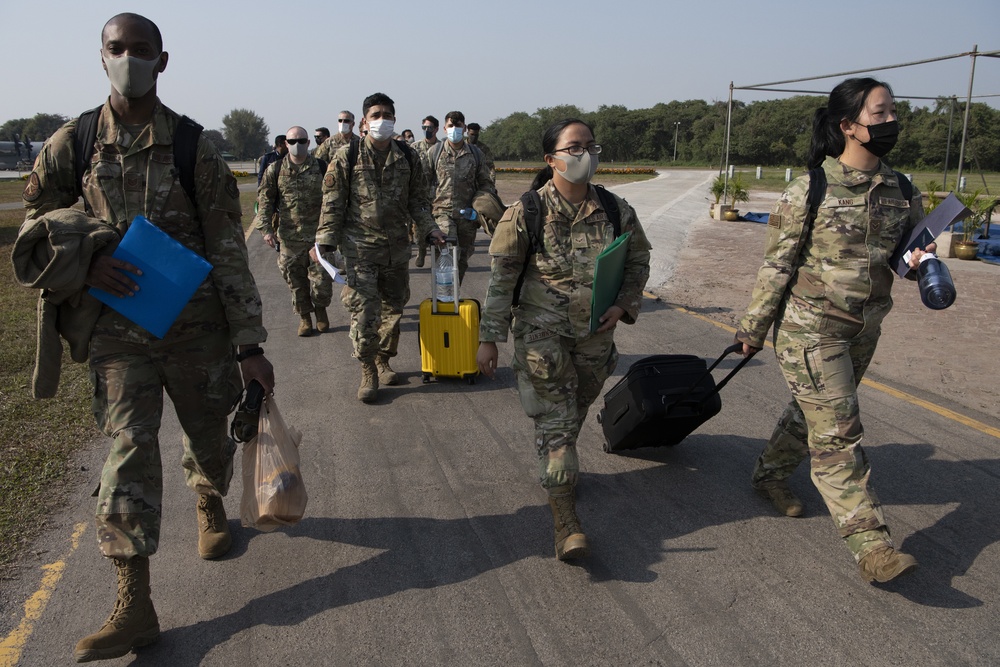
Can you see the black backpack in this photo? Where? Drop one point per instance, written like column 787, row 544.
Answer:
column 532, row 203
column 817, row 189
column 185, row 150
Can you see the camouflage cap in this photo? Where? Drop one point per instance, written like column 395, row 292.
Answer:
column 490, row 209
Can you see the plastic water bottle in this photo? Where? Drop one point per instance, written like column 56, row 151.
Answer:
column 937, row 289
column 468, row 213
column 444, row 276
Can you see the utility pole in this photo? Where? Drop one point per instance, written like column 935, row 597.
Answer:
column 676, row 125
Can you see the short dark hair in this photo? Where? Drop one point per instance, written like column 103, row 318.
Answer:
column 473, row 126
column 280, row 139
column 432, row 119
column 378, row 99
column 407, row 130
column 325, row 131
column 129, row 16
column 455, row 117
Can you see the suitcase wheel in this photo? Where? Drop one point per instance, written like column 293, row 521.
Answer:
column 426, row 378
column 607, row 447
column 600, row 420
column 471, row 379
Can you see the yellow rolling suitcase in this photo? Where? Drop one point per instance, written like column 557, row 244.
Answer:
column 449, row 338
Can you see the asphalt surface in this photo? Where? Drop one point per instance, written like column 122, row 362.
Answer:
column 427, row 540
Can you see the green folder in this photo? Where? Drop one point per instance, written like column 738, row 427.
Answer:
column 609, row 273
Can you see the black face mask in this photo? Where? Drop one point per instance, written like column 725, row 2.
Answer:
column 881, row 137
column 429, row 133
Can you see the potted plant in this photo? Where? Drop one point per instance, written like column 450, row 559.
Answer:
column 964, row 244
column 717, row 188
column 737, row 193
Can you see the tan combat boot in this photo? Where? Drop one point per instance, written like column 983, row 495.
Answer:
column 421, row 254
column 214, row 539
column 305, row 325
column 781, row 497
column 322, row 321
column 885, row 564
column 368, row 391
column 570, row 541
column 386, row 375
column 133, row 622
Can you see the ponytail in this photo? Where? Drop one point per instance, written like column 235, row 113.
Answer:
column 543, row 176
column 827, row 139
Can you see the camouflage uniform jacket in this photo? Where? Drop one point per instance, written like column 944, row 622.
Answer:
column 459, row 175
column 558, row 282
column 423, row 149
column 299, row 188
column 333, row 143
column 488, row 156
column 366, row 213
column 129, row 177
column 833, row 276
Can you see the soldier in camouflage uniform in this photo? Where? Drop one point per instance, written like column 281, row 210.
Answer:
column 343, row 137
column 132, row 172
column 366, row 210
column 560, row 363
column 472, row 131
column 460, row 173
column 429, row 126
column 824, row 286
column 297, row 182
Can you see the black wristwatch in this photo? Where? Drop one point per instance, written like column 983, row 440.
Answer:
column 252, row 352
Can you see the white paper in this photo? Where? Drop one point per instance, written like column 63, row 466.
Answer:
column 337, row 276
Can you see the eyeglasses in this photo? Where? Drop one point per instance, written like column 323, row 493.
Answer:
column 577, row 151
column 426, row 127
column 344, row 120
column 292, row 142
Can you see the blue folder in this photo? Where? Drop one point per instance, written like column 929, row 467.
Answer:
column 170, row 275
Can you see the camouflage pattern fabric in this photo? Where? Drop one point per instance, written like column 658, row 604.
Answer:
column 336, row 141
column 299, row 189
column 558, row 378
column 366, row 213
column 825, row 287
column 488, row 156
column 823, row 421
column 375, row 296
column 558, row 282
column 835, row 269
column 195, row 362
column 560, row 365
column 459, row 174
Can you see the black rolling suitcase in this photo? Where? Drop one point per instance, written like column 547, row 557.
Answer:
column 661, row 400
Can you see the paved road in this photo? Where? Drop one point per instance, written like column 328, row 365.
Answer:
column 427, row 541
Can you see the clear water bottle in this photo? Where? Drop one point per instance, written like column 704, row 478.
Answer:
column 937, row 289
column 444, row 276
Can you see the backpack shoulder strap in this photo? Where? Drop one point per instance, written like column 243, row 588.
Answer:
column 352, row 154
column 905, row 186
column 610, row 206
column 817, row 190
column 436, row 155
column 83, row 144
column 322, row 165
column 186, row 153
column 532, row 204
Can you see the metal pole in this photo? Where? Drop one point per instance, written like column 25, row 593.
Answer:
column 965, row 122
column 676, row 125
column 947, row 149
column 729, row 122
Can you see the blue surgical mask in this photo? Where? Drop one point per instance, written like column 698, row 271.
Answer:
column 454, row 133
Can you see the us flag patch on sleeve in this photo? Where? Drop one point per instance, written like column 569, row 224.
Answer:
column 774, row 220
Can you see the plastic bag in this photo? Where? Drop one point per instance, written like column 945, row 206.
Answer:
column 273, row 491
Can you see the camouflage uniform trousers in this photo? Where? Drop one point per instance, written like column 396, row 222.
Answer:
column 375, row 296
column 465, row 231
column 558, row 378
column 823, row 375
column 203, row 381
column 311, row 285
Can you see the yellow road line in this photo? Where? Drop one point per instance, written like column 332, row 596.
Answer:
column 896, row 393
column 13, row 644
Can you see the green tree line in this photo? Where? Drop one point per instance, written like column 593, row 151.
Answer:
column 765, row 133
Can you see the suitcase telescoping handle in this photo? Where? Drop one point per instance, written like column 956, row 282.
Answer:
column 452, row 244
column 735, row 347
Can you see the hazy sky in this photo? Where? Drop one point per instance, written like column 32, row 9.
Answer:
column 299, row 63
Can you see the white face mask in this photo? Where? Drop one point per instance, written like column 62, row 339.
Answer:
column 343, row 128
column 578, row 169
column 298, row 150
column 381, row 129
column 454, row 133
column 131, row 77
